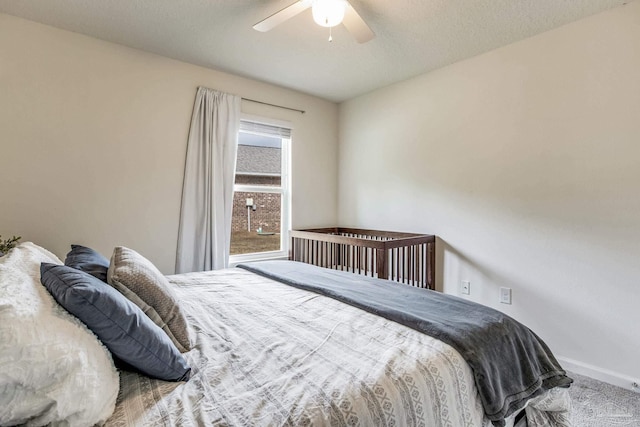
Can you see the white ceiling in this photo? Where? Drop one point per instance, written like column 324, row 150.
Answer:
column 412, row 36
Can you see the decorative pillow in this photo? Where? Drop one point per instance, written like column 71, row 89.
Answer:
column 53, row 370
column 140, row 281
column 121, row 326
column 88, row 260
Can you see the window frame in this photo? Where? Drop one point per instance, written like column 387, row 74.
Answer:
column 284, row 190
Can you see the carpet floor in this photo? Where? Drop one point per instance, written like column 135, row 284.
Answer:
column 597, row 404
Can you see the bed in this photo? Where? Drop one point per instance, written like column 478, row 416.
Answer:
column 266, row 353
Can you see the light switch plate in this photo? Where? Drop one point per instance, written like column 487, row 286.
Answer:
column 505, row 295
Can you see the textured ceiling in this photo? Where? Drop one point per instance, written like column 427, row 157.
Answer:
column 412, row 36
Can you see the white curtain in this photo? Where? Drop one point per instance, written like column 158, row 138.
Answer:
column 207, row 193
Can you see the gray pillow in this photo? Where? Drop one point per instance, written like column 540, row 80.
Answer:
column 119, row 324
column 144, row 285
column 88, row 260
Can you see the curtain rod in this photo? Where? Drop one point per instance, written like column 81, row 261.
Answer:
column 274, row 105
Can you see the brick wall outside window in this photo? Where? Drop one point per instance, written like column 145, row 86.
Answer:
column 268, row 205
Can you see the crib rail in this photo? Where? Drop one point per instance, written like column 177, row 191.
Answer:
column 402, row 257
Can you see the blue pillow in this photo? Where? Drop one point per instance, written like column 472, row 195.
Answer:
column 88, row 260
column 126, row 331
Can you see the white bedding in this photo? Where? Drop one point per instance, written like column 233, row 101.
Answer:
column 53, row 370
column 270, row 354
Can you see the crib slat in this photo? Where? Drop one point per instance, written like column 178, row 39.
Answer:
column 396, row 262
column 366, row 261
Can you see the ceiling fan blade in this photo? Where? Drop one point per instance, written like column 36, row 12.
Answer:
column 282, row 15
column 356, row 25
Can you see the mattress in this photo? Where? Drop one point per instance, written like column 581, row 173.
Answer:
column 266, row 354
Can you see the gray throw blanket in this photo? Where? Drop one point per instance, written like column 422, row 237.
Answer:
column 510, row 363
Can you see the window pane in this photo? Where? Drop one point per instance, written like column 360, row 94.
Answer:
column 259, row 160
column 255, row 230
column 262, row 180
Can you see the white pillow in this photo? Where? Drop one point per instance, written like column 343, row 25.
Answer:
column 52, row 367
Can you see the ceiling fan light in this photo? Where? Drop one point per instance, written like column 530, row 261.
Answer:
column 328, row 13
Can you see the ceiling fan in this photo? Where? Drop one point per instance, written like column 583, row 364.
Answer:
column 326, row 13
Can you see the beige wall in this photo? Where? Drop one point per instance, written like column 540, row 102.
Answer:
column 526, row 162
column 93, row 140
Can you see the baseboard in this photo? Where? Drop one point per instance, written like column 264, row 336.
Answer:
column 600, row 374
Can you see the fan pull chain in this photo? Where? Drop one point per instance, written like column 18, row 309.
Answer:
column 330, row 36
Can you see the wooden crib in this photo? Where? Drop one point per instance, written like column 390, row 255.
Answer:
column 403, row 257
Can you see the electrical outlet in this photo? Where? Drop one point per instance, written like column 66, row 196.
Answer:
column 465, row 287
column 505, row 295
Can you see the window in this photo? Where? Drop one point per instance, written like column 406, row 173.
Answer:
column 261, row 197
